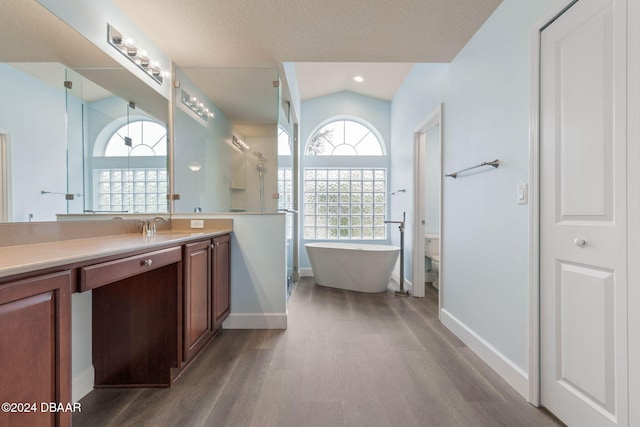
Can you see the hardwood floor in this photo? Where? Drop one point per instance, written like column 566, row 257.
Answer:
column 347, row 359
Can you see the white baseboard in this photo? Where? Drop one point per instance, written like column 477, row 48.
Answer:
column 82, row 384
column 305, row 272
column 256, row 321
column 408, row 286
column 508, row 370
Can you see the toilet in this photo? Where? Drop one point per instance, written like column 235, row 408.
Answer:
column 432, row 258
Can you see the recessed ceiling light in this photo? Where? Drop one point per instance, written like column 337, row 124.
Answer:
column 358, row 79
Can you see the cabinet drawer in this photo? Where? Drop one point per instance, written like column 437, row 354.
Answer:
column 102, row 274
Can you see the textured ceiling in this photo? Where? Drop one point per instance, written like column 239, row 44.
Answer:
column 329, row 40
column 30, row 33
column 265, row 33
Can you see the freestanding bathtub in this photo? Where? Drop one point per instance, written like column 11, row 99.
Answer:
column 352, row 266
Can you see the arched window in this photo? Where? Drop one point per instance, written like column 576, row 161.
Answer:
column 345, row 192
column 344, row 138
column 139, row 138
column 130, row 173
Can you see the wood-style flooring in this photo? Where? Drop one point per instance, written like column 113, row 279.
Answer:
column 346, row 359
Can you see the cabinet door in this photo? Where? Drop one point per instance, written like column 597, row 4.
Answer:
column 197, row 297
column 221, row 283
column 35, row 348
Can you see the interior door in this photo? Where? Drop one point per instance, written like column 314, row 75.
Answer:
column 583, row 255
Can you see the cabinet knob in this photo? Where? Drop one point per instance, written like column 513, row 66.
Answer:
column 147, row 262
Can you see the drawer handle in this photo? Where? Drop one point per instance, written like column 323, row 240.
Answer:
column 147, row 262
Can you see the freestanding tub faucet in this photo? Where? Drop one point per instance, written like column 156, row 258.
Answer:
column 401, row 292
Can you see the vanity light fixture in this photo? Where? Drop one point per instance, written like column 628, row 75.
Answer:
column 127, row 46
column 358, row 79
column 240, row 144
column 196, row 106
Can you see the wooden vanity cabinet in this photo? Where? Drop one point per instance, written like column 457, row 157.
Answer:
column 206, row 292
column 197, row 298
column 35, row 349
column 220, row 268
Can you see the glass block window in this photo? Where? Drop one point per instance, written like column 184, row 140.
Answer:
column 344, row 203
column 132, row 190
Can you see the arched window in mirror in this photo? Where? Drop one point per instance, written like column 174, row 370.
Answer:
column 139, row 138
column 344, row 182
column 130, row 173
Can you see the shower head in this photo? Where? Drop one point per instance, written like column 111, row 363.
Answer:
column 260, row 156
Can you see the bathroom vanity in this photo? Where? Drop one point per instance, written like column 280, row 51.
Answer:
column 156, row 302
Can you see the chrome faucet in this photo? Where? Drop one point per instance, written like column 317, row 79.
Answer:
column 149, row 225
column 401, row 292
column 146, row 226
column 152, row 223
column 401, row 226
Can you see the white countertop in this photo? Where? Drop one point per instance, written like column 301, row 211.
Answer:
column 26, row 258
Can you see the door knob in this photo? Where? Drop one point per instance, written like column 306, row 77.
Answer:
column 580, row 242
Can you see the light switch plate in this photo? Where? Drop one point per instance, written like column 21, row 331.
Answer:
column 197, row 223
column 523, row 194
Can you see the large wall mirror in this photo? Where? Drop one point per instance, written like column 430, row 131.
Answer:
column 225, row 140
column 79, row 134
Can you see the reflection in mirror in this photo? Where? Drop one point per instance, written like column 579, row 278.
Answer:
column 53, row 140
column 125, row 155
column 32, row 120
column 76, row 150
column 227, row 162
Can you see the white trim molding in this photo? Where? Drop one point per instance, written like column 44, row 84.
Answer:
column 256, row 321
column 508, row 370
column 83, row 384
column 534, row 200
column 419, row 151
column 306, row 272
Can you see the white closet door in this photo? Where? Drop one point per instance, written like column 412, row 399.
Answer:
column 583, row 256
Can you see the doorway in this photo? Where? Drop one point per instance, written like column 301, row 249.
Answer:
column 428, row 205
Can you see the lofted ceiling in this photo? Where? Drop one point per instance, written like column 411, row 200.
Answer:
column 329, row 41
column 377, row 38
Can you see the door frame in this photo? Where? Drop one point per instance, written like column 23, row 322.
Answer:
column 433, row 119
column 5, row 176
column 534, row 200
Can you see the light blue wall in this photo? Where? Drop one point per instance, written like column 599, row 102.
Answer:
column 32, row 113
column 317, row 111
column 485, row 96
